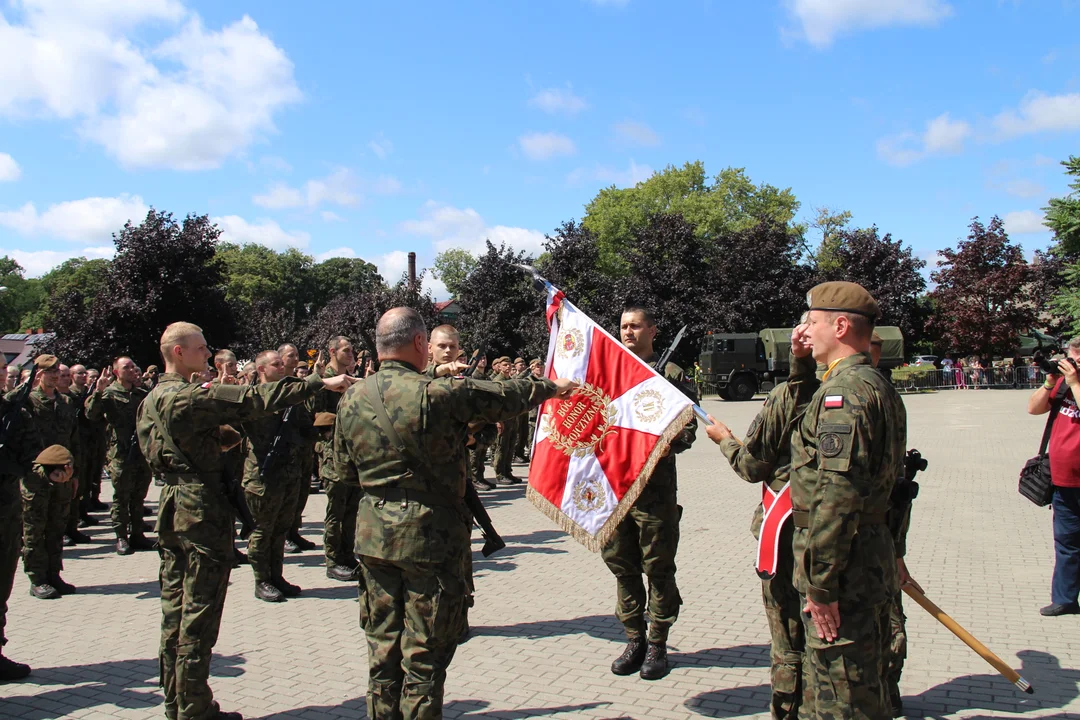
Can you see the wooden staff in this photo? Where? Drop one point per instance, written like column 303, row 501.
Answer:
column 969, row 639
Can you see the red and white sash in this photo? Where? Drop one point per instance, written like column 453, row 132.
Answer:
column 777, row 507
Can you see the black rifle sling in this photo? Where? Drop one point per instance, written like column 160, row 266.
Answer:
column 1055, row 408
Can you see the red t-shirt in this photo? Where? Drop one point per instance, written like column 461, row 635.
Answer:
column 1065, row 442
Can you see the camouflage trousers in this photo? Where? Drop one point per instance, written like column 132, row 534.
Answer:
column 195, row 539
column 45, row 507
column 645, row 543
column 845, row 678
column 522, row 438
column 504, row 449
column 130, row 481
column 896, row 648
column 10, row 542
column 273, row 508
column 413, row 615
column 784, row 613
column 477, row 461
column 306, row 469
column 339, row 529
column 89, row 457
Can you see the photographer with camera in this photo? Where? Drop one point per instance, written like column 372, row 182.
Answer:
column 1058, row 394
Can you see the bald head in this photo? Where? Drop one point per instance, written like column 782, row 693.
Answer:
column 63, row 380
column 401, row 335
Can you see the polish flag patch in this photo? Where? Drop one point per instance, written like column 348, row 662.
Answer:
column 834, row 402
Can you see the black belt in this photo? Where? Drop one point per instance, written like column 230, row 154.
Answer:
column 802, row 518
column 405, row 496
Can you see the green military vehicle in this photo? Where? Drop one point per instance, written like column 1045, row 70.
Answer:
column 739, row 365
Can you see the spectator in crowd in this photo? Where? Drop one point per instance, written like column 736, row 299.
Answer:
column 1065, row 474
column 976, row 372
column 947, row 370
column 961, row 373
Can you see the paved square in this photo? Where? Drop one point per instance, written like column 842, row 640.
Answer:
column 544, row 633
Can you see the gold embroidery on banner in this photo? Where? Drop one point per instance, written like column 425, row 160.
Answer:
column 648, row 405
column 580, row 423
column 570, row 343
column 589, row 496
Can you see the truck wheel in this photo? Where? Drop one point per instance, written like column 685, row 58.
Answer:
column 742, row 388
column 724, row 393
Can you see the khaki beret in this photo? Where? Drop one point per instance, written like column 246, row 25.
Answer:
column 46, row 362
column 324, row 419
column 152, row 368
column 875, row 339
column 502, row 359
column 54, row 455
column 843, row 297
column 228, row 437
column 534, row 362
column 519, row 360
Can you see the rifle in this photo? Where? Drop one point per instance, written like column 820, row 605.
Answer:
column 493, row 542
column 906, row 489
column 277, row 447
column 13, row 416
column 370, row 347
column 663, row 361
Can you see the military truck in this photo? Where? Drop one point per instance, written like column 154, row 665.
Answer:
column 739, row 365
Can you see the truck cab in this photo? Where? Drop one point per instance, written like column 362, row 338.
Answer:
column 731, row 362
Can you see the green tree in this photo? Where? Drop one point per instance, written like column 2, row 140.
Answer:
column 254, row 272
column 22, row 300
column 500, row 308
column 453, row 266
column 337, row 277
column 829, row 223
column 1063, row 214
column 729, row 203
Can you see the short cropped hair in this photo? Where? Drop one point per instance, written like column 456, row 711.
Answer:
column 335, row 342
column 224, row 355
column 285, row 346
column 397, row 328
column 860, row 324
column 264, row 357
column 448, row 330
column 645, row 314
column 176, row 334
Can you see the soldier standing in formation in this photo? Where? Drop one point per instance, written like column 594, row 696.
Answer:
column 765, row 457
column 413, row 530
column 91, row 440
column 847, row 452
column 503, row 459
column 303, row 451
column 342, row 361
column 483, row 435
column 46, row 504
column 271, row 486
column 117, row 401
column 179, row 434
column 648, row 537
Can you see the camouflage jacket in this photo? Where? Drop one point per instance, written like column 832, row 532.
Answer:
column 119, row 407
column 322, row 401
column 54, row 421
column 297, row 435
column 91, row 432
column 19, row 450
column 846, row 454
column 412, row 506
column 765, row 454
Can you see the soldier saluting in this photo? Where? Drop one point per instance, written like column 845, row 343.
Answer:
column 179, row 434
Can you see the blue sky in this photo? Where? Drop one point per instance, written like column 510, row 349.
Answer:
column 371, row 129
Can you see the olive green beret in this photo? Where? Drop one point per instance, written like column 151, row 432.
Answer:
column 875, row 339
column 534, row 362
column 228, row 437
column 324, row 419
column 45, row 362
column 843, row 297
column 519, row 360
column 502, row 359
column 54, row 455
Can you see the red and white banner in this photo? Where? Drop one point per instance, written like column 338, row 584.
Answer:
column 594, row 452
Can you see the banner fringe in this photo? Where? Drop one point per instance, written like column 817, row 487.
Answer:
column 607, row 531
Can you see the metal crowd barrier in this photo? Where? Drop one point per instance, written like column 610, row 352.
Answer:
column 1024, row 378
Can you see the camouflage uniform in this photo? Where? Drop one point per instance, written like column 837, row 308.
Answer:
column 195, row 520
column 765, row 456
column 647, row 540
column 845, row 460
column 15, row 458
column 91, row 452
column 272, row 495
column 45, row 504
column 503, row 459
column 484, row 437
column 896, row 648
column 342, row 501
column 413, row 529
column 128, row 470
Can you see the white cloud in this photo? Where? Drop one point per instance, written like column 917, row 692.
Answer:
column 387, row 185
column 622, row 178
column 1024, row 222
column 635, row 134
column 557, row 100
column 9, row 169
column 943, row 135
column 381, row 146
column 92, row 219
column 340, row 252
column 448, row 227
column 1039, row 112
column 1024, row 188
column 328, row 216
column 38, row 262
column 197, row 98
column 236, row 229
column 394, row 264
column 543, row 146
column 822, row 21
column 337, row 188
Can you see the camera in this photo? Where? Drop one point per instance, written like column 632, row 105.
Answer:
column 1050, row 367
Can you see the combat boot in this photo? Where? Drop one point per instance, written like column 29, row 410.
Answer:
column 97, row 506
column 655, row 665
column 123, row 547
column 267, row 592
column 341, row 573
column 630, row 661
column 291, row 547
column 483, row 485
column 504, row 480
column 64, row 588
column 69, row 541
column 287, row 588
column 86, row 520
column 78, row 537
column 44, row 591
column 141, row 542
column 302, row 542
column 11, row 670
column 239, row 558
